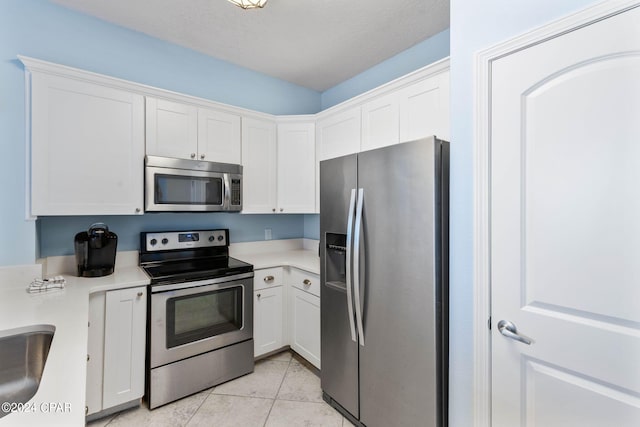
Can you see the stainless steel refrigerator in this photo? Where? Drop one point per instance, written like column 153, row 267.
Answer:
column 384, row 284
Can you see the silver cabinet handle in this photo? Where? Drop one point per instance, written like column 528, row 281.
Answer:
column 356, row 265
column 140, row 294
column 202, row 156
column 273, row 210
column 509, row 330
column 281, row 209
column 193, row 155
column 352, row 205
column 268, row 279
column 306, row 282
column 137, row 210
column 259, row 295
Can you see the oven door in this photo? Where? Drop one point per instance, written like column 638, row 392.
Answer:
column 191, row 318
column 168, row 189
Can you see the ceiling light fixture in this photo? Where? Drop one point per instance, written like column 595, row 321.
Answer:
column 249, row 4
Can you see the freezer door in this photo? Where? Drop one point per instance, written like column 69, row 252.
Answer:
column 339, row 353
column 400, row 372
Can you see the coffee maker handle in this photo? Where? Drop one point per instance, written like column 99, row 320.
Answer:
column 98, row 234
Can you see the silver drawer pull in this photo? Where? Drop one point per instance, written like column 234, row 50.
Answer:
column 268, row 279
column 306, row 282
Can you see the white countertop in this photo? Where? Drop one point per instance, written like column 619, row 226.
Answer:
column 303, row 259
column 60, row 399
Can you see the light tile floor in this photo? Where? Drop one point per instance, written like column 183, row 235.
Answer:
column 282, row 391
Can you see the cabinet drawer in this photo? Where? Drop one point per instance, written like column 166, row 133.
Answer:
column 305, row 281
column 267, row 277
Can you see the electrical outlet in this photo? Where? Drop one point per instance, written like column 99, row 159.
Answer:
column 267, row 234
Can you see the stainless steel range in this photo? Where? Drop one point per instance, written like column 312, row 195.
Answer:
column 200, row 329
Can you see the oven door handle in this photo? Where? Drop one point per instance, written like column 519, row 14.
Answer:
column 188, row 285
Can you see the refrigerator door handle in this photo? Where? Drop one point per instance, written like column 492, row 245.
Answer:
column 352, row 204
column 356, row 265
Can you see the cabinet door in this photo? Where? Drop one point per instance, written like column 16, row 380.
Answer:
column 124, row 346
column 95, row 352
column 172, row 129
column 424, row 109
column 305, row 325
column 339, row 134
column 296, row 168
column 267, row 320
column 219, row 136
column 380, row 122
column 259, row 166
column 87, row 148
column 336, row 135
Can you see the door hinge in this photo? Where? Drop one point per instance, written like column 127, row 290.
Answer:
column 489, row 323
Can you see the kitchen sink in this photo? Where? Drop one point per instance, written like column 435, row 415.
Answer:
column 23, row 354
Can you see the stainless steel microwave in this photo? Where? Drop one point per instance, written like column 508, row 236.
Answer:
column 180, row 185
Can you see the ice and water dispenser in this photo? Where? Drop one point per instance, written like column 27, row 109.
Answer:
column 336, row 260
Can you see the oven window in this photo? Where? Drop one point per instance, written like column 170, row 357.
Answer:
column 194, row 317
column 187, row 190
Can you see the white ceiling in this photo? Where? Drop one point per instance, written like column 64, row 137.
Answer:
column 311, row 43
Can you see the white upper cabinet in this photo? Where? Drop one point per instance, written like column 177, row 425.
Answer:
column 219, row 136
column 424, row 108
column 87, row 148
column 259, row 166
column 380, row 122
column 186, row 131
column 172, row 129
column 338, row 134
column 278, row 166
column 296, row 167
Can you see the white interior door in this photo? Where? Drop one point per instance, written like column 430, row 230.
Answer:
column 565, row 228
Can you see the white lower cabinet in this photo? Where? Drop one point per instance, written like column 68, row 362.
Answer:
column 305, row 325
column 268, row 306
column 116, row 348
column 268, row 310
column 286, row 312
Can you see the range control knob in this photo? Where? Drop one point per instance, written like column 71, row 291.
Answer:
column 153, row 242
column 165, row 241
column 220, row 238
column 211, row 238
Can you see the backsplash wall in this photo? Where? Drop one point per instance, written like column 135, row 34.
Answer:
column 56, row 233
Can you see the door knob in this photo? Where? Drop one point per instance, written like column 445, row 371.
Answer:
column 509, row 330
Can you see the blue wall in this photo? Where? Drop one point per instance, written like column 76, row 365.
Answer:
column 46, row 31
column 475, row 26
column 423, row 53
column 56, row 233
column 312, row 227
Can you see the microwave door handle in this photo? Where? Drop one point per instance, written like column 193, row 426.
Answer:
column 227, row 191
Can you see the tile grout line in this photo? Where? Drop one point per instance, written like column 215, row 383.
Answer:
column 199, row 406
column 277, row 392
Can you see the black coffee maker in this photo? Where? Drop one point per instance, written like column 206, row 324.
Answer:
column 96, row 251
